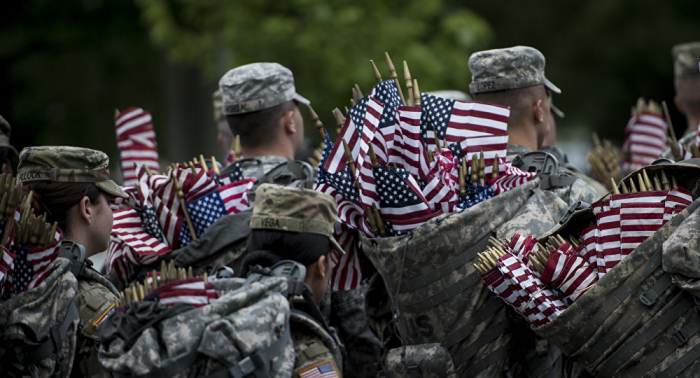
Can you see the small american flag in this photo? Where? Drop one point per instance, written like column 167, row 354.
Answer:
column 455, row 120
column 191, row 291
column 400, row 198
column 491, row 145
column 645, row 138
column 638, row 221
column 230, row 158
column 42, row 259
column 327, row 148
column 235, row 173
column 140, row 247
column 387, row 93
column 347, row 269
column 136, row 141
column 322, row 370
column 23, row 271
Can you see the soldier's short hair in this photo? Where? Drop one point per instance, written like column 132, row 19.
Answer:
column 519, row 100
column 261, row 127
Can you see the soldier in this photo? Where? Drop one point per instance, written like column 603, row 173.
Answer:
column 262, row 106
column 297, row 224
column 514, row 77
column 223, row 135
column 7, row 152
column 687, row 84
column 72, row 186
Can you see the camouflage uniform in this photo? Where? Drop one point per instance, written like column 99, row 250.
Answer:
column 260, row 86
column 96, row 295
column 286, row 209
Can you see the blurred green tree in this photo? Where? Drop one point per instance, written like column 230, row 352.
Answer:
column 326, row 44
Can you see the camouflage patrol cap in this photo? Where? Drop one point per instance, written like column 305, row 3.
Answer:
column 218, row 103
column 5, row 131
column 257, row 86
column 67, row 164
column 295, row 210
column 510, row 68
column 686, row 57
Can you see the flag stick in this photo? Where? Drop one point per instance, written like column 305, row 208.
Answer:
column 674, row 142
column 392, row 72
column 409, row 84
column 181, row 197
column 317, row 122
column 375, row 71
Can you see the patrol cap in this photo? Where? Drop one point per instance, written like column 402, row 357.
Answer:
column 290, row 209
column 5, row 131
column 257, row 86
column 510, row 68
column 67, row 164
column 686, row 57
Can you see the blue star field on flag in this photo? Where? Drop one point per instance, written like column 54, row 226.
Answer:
column 392, row 189
column 343, row 182
column 204, row 211
column 236, row 172
column 324, row 155
column 435, row 115
column 24, row 271
column 357, row 114
column 185, row 236
column 387, row 93
column 149, row 219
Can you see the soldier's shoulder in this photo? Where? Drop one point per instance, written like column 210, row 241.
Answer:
column 94, row 302
column 314, row 357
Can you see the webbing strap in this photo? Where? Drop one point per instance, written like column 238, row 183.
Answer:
column 490, row 335
column 477, row 367
column 650, row 296
column 663, row 350
column 492, row 305
column 614, row 300
column 687, row 360
column 53, row 344
column 643, row 336
column 437, row 298
column 468, row 255
column 630, row 318
column 259, row 362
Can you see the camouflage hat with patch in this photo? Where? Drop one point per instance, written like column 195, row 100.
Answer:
column 686, row 57
column 67, row 164
column 5, row 131
column 257, row 86
column 290, row 209
column 510, row 68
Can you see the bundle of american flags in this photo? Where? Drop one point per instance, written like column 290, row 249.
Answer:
column 30, row 245
column 169, row 286
column 393, row 167
column 567, row 267
column 645, row 134
column 165, row 212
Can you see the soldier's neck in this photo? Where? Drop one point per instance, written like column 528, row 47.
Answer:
column 273, row 150
column 693, row 123
column 524, row 135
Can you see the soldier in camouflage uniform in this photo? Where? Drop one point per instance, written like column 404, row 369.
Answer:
column 686, row 57
column 7, row 152
column 514, row 77
column 260, row 103
column 72, row 186
column 297, row 224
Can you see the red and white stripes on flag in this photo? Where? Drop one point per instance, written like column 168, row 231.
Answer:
column 510, row 177
column 570, row 273
column 677, row 200
column 136, row 141
column 42, row 259
column 347, row 269
column 638, row 221
column 645, row 138
column 235, row 195
column 491, row 145
column 608, row 240
column 140, row 248
column 191, row 291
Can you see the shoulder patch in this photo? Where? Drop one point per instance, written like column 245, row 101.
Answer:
column 104, row 316
column 324, row 369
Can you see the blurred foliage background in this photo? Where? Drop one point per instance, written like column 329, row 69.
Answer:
column 65, row 66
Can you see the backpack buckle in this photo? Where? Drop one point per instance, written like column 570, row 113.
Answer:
column 580, row 205
column 681, row 336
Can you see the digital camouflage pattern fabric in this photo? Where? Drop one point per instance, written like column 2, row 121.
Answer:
column 27, row 321
column 509, row 68
column 281, row 208
column 313, row 344
column 257, row 86
column 686, row 57
column 246, row 318
column 67, row 164
column 427, row 361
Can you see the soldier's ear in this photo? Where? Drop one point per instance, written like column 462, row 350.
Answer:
column 538, row 111
column 679, row 104
column 85, row 209
column 288, row 122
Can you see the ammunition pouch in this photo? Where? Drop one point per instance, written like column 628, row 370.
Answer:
column 417, row 361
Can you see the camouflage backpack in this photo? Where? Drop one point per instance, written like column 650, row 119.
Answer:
column 641, row 318
column 40, row 327
column 440, row 307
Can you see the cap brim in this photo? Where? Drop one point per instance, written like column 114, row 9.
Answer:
column 111, row 187
column 335, row 245
column 301, row 99
column 556, row 110
column 551, row 86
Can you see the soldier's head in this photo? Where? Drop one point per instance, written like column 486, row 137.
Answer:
column 293, row 224
column 224, row 135
column 686, row 57
column 72, row 186
column 7, row 152
column 260, row 103
column 514, row 77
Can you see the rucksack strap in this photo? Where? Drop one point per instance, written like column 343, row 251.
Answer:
column 53, row 344
column 258, row 363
